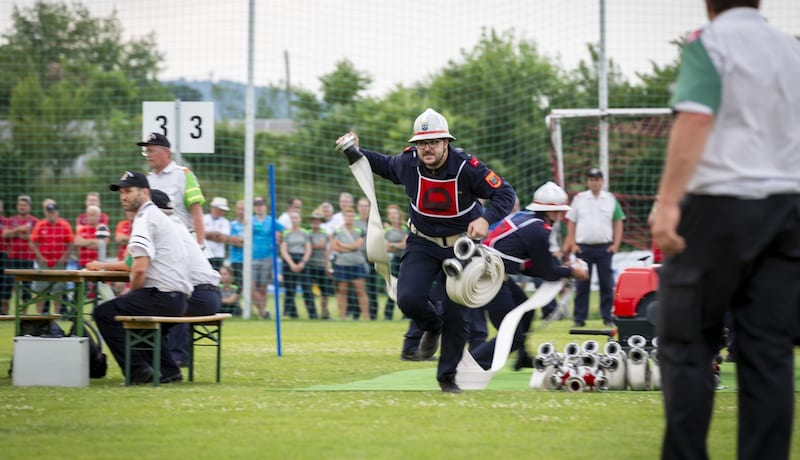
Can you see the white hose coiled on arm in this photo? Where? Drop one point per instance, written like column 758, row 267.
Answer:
column 479, row 279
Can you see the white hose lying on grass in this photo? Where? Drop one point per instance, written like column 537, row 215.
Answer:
column 469, row 374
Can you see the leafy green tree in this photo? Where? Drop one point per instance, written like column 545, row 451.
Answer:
column 496, row 100
column 69, row 75
column 343, row 85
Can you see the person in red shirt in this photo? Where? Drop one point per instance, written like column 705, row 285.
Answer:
column 123, row 233
column 6, row 282
column 85, row 237
column 51, row 240
column 16, row 233
column 92, row 199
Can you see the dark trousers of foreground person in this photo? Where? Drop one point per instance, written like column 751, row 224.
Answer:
column 741, row 256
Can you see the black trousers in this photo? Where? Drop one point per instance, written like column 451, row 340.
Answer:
column 742, row 257
column 421, row 266
column 140, row 302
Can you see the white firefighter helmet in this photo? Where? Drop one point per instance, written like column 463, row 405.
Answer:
column 430, row 124
column 549, row 197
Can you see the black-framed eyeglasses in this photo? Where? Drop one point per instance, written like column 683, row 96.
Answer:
column 428, row 143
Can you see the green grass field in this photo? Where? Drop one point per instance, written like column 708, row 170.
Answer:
column 271, row 407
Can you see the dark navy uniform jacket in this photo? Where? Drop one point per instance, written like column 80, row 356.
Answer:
column 445, row 203
column 523, row 241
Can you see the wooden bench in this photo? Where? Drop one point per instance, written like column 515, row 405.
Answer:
column 26, row 317
column 144, row 333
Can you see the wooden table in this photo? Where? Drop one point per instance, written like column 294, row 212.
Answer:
column 53, row 277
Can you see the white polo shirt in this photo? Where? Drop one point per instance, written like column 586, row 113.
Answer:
column 747, row 74
column 200, row 270
column 153, row 235
column 594, row 217
column 221, row 225
column 181, row 186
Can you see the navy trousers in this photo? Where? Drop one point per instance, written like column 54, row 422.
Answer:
column 595, row 255
column 203, row 302
column 420, row 267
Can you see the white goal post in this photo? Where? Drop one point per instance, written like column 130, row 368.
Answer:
column 553, row 122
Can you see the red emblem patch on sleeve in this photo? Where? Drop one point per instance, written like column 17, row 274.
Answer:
column 474, row 162
column 493, row 180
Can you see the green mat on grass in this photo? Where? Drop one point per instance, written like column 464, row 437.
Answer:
column 425, row 380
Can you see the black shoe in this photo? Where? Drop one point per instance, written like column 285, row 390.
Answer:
column 171, row 378
column 523, row 360
column 412, row 356
column 142, row 378
column 608, row 323
column 428, row 344
column 449, row 386
column 579, row 324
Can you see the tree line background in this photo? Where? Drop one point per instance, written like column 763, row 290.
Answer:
column 72, row 85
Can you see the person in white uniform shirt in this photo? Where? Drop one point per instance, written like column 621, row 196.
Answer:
column 206, row 298
column 217, row 231
column 727, row 220
column 594, row 234
column 178, row 182
column 160, row 281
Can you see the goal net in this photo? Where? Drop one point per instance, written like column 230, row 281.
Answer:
column 631, row 158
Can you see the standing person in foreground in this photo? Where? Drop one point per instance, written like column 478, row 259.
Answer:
column 178, row 182
column 728, row 222
column 443, row 184
column 594, row 233
column 160, row 282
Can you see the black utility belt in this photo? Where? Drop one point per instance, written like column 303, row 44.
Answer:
column 206, row 287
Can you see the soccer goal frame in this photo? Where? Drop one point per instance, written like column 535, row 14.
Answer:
column 553, row 122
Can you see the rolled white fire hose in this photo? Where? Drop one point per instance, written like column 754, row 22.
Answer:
column 478, row 281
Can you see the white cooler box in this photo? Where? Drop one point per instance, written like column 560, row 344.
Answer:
column 61, row 362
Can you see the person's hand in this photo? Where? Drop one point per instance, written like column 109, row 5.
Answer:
column 350, row 135
column 348, row 144
column 478, row 228
column 664, row 221
column 95, row 265
column 613, row 249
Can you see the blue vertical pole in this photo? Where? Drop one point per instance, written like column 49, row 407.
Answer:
column 275, row 282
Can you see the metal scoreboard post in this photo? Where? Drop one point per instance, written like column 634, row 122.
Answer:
column 189, row 126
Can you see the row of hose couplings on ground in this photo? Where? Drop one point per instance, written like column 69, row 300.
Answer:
column 586, row 368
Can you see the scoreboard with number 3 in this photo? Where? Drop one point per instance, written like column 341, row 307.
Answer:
column 189, row 126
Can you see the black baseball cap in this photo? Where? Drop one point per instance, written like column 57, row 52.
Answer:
column 595, row 172
column 160, row 199
column 155, row 139
column 130, row 179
